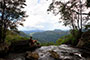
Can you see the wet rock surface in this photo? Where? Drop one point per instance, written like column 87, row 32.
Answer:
column 62, row 52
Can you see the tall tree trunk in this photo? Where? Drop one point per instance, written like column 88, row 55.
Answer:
column 81, row 14
column 80, row 30
column 4, row 32
column 78, row 20
column 4, row 23
column 2, row 18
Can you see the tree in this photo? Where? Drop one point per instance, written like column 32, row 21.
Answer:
column 11, row 15
column 72, row 14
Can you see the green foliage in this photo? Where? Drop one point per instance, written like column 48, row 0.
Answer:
column 68, row 39
column 47, row 44
column 12, row 37
column 12, row 15
column 49, row 36
column 71, row 12
column 87, row 26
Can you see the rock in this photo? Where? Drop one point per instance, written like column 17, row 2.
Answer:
column 19, row 46
column 71, row 54
column 18, row 59
column 54, row 54
column 63, row 52
column 31, row 56
column 35, row 55
column 67, row 59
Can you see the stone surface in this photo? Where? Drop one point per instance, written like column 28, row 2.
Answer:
column 54, row 54
column 32, row 56
column 62, row 52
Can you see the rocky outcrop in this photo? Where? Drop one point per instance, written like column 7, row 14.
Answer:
column 19, row 46
column 22, row 46
column 62, row 52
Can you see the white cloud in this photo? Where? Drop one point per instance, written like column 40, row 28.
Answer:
column 38, row 17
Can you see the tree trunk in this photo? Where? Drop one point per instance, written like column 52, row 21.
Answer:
column 81, row 14
column 78, row 21
column 80, row 43
column 2, row 20
column 80, row 30
column 4, row 32
column 79, row 38
column 0, row 34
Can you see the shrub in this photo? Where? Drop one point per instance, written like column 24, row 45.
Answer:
column 68, row 39
column 47, row 43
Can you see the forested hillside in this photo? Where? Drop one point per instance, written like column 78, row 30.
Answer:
column 49, row 36
column 14, row 36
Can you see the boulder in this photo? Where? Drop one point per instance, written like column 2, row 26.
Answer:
column 19, row 46
column 22, row 46
column 31, row 56
column 54, row 54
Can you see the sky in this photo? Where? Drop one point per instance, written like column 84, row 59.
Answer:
column 39, row 19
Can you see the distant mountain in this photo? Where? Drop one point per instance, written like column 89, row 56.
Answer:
column 21, row 33
column 60, row 31
column 31, row 31
column 49, row 36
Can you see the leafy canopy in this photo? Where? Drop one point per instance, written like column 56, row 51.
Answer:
column 12, row 12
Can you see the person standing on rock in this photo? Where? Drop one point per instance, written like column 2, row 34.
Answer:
column 34, row 43
column 31, row 43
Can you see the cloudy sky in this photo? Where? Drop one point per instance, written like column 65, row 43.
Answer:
column 38, row 18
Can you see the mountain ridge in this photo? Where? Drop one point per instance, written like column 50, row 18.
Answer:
column 31, row 31
column 49, row 36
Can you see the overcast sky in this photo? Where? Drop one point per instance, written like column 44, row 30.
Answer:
column 38, row 18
